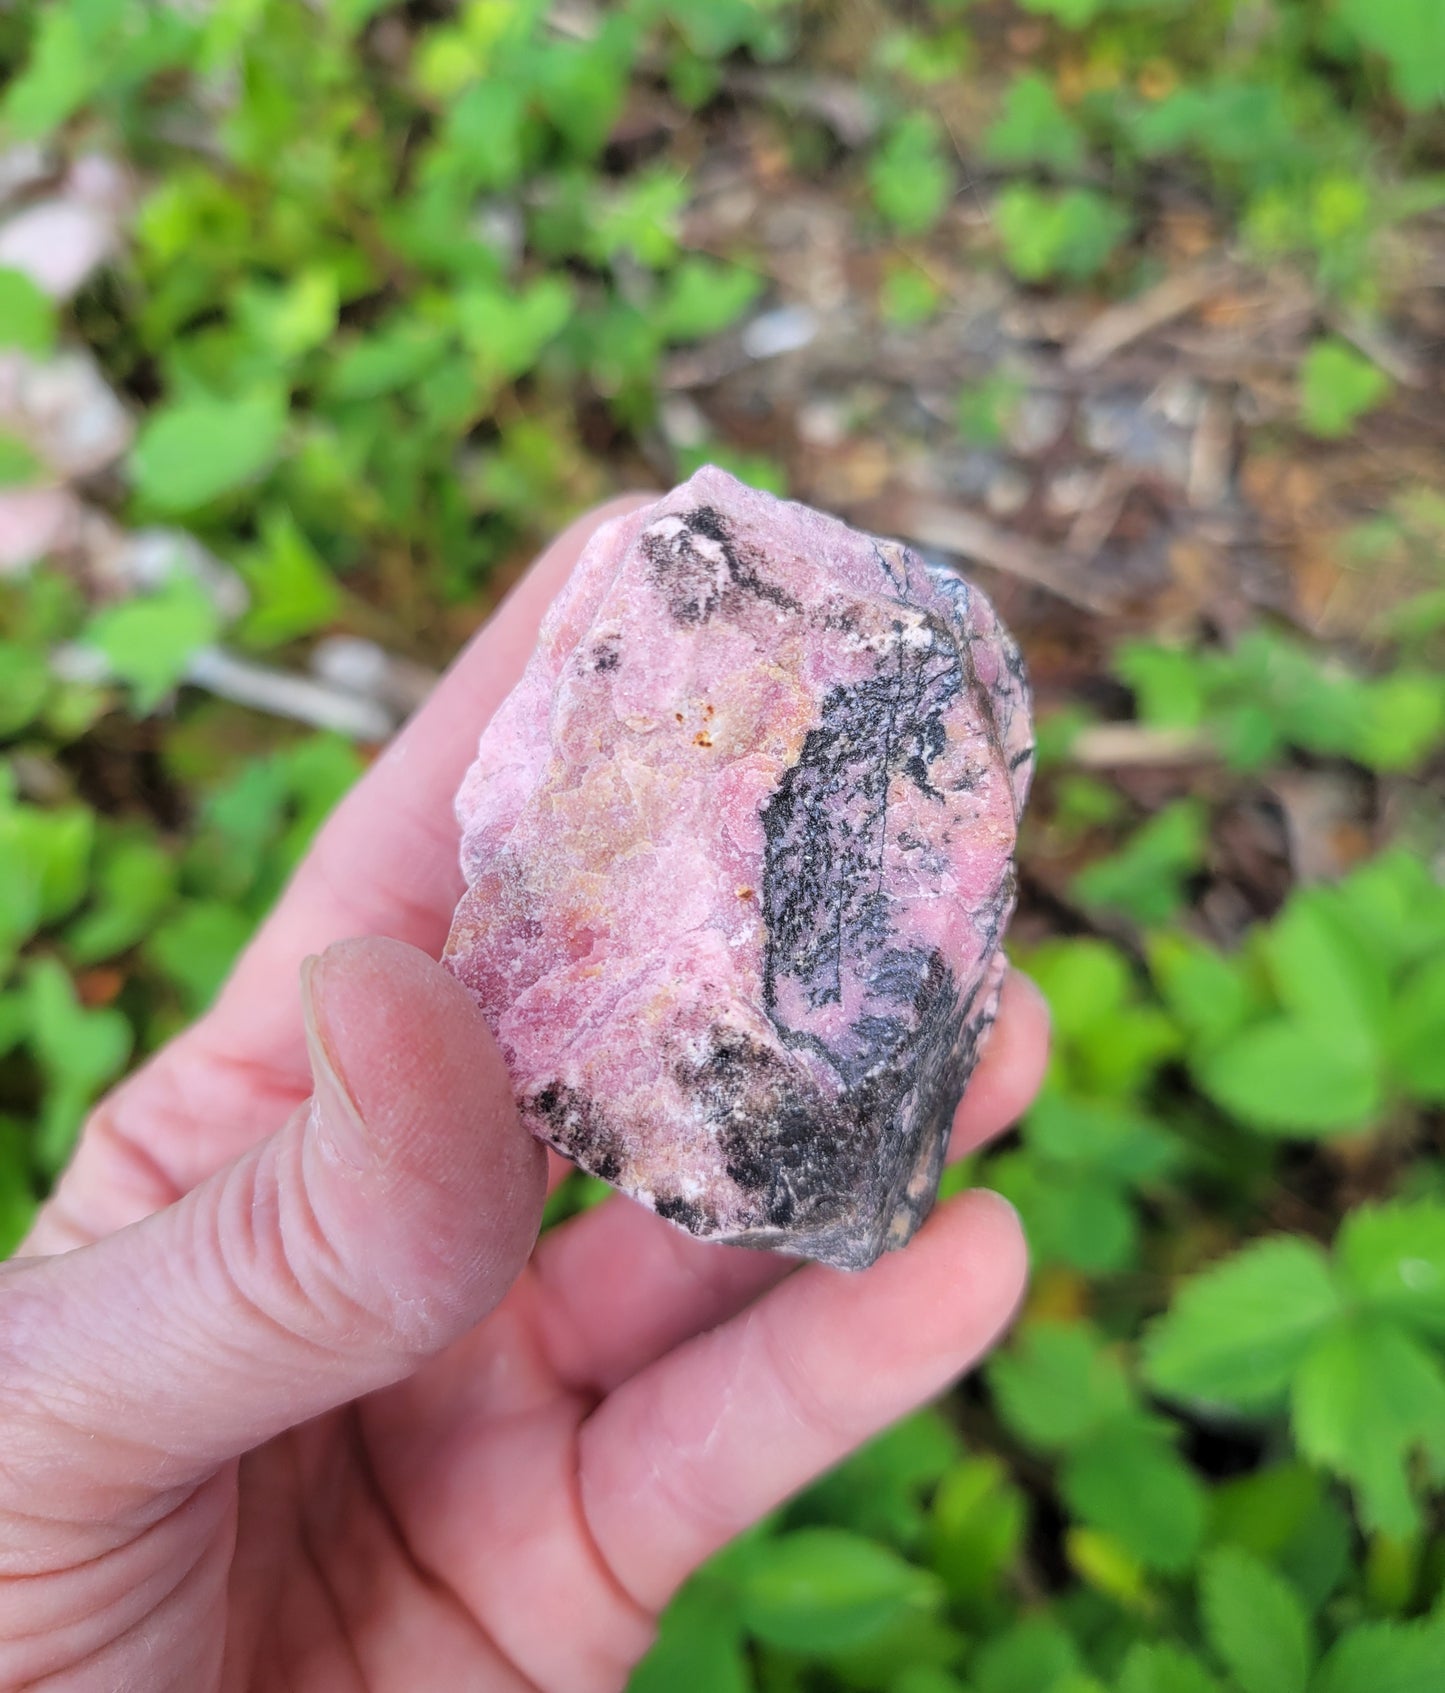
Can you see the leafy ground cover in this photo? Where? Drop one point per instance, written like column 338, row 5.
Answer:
column 1133, row 306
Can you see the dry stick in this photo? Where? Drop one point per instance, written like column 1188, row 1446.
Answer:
column 950, row 530
column 1377, row 346
column 284, row 695
column 1127, row 322
column 1211, row 451
column 1121, row 746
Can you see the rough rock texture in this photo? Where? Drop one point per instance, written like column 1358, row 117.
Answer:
column 739, row 854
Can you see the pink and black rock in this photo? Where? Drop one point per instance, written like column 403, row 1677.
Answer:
column 739, row 853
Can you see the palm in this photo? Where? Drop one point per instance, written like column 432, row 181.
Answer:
column 480, row 1582
column 466, row 1463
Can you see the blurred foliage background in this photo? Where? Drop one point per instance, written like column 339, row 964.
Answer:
column 316, row 318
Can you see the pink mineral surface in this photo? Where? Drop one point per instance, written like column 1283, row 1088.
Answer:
column 739, row 854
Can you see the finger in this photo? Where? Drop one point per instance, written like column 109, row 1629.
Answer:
column 1010, row 1069
column 385, row 863
column 371, row 1231
column 677, row 1285
column 687, row 1454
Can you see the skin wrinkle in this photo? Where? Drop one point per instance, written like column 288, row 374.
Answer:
column 306, row 1539
column 94, row 1614
column 602, row 1566
column 433, row 1581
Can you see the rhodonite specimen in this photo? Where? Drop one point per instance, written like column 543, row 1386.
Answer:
column 739, row 853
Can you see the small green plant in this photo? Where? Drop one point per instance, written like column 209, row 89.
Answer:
column 1034, row 129
column 1337, row 387
column 1334, row 1008
column 1047, row 234
column 1270, row 693
column 986, row 409
column 910, row 176
column 1350, row 1340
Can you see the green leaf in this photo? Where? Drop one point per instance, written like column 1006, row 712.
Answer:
column 823, row 1589
column 1410, row 36
column 292, row 591
column 395, row 357
column 1106, row 1041
column 79, row 1051
column 506, row 329
column 486, row 128
column 25, row 684
column 703, row 297
column 1120, row 1143
column 1417, row 1032
column 1072, row 1215
column 1056, row 1386
column 1396, row 905
column 925, row 1679
column 699, row 1646
column 1337, row 387
column 1392, row 1257
column 881, row 1490
column 1323, row 974
column 1033, row 129
column 976, row 1529
column 27, row 318
column 20, row 466
column 1073, row 14
column 1168, row 683
column 1070, row 234
column 44, row 861
column 1255, row 1623
column 922, row 1638
column 1209, row 993
column 1145, row 879
column 291, row 318
column 196, row 948
column 62, row 70
column 910, row 175
column 17, row 1191
column 190, row 452
column 1286, row 1515
column 1164, row 1668
column 149, row 642
column 1286, row 1076
column 134, row 881
column 985, row 409
column 640, row 220
column 1366, row 1397
column 1131, row 1484
column 1031, row 1657
column 1384, row 1657
column 1236, row 1334
column 908, row 296
column 1403, row 721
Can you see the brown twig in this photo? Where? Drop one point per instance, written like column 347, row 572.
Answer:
column 1121, row 325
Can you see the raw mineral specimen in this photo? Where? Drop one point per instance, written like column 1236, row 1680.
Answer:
column 739, row 854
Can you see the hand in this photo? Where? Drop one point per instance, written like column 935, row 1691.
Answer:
column 291, row 1396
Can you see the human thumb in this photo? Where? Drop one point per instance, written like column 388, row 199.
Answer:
column 380, row 1223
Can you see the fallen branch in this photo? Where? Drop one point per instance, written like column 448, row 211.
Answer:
column 1131, row 320
column 283, row 695
column 969, row 537
column 1118, row 746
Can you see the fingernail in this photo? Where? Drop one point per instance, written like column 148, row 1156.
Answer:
column 992, row 1197
column 336, row 1122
